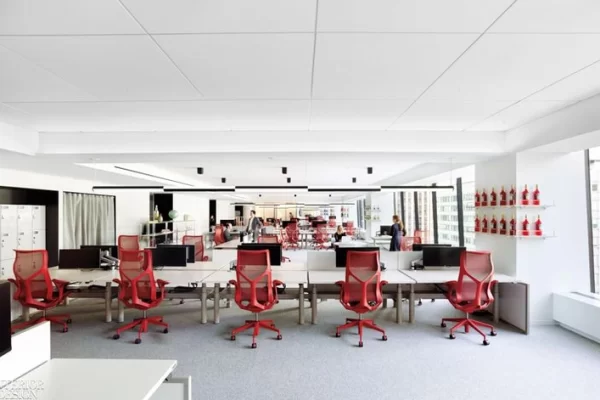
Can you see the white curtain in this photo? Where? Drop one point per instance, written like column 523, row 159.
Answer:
column 88, row 219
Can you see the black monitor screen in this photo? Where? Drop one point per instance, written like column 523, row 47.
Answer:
column 421, row 246
column 385, row 230
column 79, row 258
column 341, row 253
column 226, row 222
column 5, row 339
column 190, row 251
column 170, row 256
column 114, row 250
column 316, row 223
column 274, row 250
column 442, row 256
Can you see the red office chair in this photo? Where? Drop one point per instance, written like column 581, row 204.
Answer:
column 472, row 291
column 322, row 239
column 33, row 282
column 292, row 235
column 331, row 223
column 272, row 239
column 350, row 231
column 128, row 243
column 198, row 242
column 139, row 290
column 219, row 235
column 361, row 291
column 407, row 243
column 254, row 290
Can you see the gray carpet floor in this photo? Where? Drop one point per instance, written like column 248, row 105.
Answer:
column 417, row 362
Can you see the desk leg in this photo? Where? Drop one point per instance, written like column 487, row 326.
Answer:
column 314, row 304
column 399, row 315
column 108, row 302
column 121, row 309
column 384, row 303
column 217, row 301
column 228, row 305
column 301, row 304
column 26, row 313
column 203, row 297
column 411, row 305
column 496, row 303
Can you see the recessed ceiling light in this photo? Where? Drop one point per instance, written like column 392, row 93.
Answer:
column 289, row 180
column 284, row 170
column 369, row 170
column 223, row 180
column 200, row 170
column 353, row 180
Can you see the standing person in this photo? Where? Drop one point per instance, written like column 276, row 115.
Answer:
column 397, row 232
column 254, row 225
column 227, row 232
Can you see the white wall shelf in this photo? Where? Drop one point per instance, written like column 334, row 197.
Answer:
column 544, row 236
column 518, row 207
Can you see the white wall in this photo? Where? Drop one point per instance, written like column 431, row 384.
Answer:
column 196, row 206
column 385, row 203
column 225, row 210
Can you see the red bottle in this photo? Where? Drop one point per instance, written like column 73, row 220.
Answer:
column 493, row 198
column 494, row 225
column 525, row 197
column 477, row 199
column 513, row 226
column 477, row 224
column 536, row 196
column 503, row 201
column 525, row 227
column 484, row 224
column 484, row 198
column 538, row 227
column 502, row 225
column 512, row 196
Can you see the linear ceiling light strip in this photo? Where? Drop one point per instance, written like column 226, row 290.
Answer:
column 127, row 187
column 150, row 175
column 199, row 190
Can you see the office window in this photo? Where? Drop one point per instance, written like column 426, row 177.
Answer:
column 595, row 214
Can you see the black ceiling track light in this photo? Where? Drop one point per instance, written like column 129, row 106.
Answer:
column 223, row 180
column 289, row 180
column 353, row 180
column 284, row 170
column 369, row 170
column 200, row 170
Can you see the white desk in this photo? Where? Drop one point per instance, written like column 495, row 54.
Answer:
column 95, row 379
column 232, row 244
column 289, row 266
column 383, row 239
column 197, row 266
column 444, row 275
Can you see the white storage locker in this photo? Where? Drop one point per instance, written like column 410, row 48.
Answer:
column 8, row 216
column 24, row 216
column 8, row 244
column 24, row 239
column 38, row 217
column 38, row 239
column 6, row 268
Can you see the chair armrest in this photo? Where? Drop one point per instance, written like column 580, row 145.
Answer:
column 13, row 281
column 205, row 258
column 234, row 283
column 161, row 283
column 451, row 284
column 340, row 283
column 60, row 282
column 278, row 283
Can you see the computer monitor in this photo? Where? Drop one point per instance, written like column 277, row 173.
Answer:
column 79, row 258
column 421, row 246
column 274, row 250
column 341, row 253
column 316, row 223
column 385, row 230
column 114, row 250
column 284, row 224
column 5, row 336
column 170, row 256
column 442, row 256
column 225, row 222
column 189, row 248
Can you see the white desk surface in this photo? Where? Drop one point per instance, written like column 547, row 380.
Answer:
column 339, row 274
column 197, row 266
column 175, row 278
column 381, row 238
column 76, row 379
column 232, row 244
column 288, row 277
column 289, row 266
column 445, row 275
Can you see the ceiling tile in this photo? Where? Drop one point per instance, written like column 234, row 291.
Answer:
column 579, row 86
column 517, row 115
column 108, row 67
column 65, row 17
column 355, row 114
column 194, row 16
column 511, row 67
column 408, row 15
column 551, row 16
column 235, row 66
column 382, row 66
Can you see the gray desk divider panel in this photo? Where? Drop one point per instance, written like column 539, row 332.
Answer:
column 512, row 298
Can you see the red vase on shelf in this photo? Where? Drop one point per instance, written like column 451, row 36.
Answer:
column 512, row 196
column 525, row 197
column 538, row 227
column 536, row 196
column 477, row 224
column 493, row 225
column 484, row 198
column 502, row 230
column 484, row 225
column 513, row 226
column 525, row 227
column 503, row 201
column 493, row 198
column 477, row 199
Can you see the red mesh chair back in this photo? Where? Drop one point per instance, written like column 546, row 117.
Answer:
column 292, row 233
column 331, row 223
column 219, row 235
column 268, row 239
column 198, row 243
column 362, row 289
column 321, row 236
column 350, row 228
column 407, row 242
column 135, row 270
column 473, row 287
column 32, row 276
column 254, row 290
column 128, row 243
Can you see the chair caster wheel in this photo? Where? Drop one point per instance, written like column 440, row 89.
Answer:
column 486, row 343
column 384, row 338
column 65, row 329
column 253, row 345
column 69, row 321
column 279, row 337
column 232, row 337
column 420, row 303
column 166, row 330
column 138, row 341
column 272, row 325
column 180, row 301
column 360, row 344
column 493, row 333
column 116, row 336
column 451, row 336
column 337, row 334
column 443, row 324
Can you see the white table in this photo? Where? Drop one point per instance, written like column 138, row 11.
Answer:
column 232, row 244
column 289, row 266
column 383, row 239
column 94, row 379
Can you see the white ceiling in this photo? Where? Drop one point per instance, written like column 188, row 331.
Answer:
column 193, row 65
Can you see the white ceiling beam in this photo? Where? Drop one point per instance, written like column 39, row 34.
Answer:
column 17, row 139
column 272, row 141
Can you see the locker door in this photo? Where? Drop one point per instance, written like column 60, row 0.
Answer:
column 6, row 269
column 38, row 216
column 25, row 240
column 24, row 218
column 8, row 216
column 8, row 244
column 38, row 240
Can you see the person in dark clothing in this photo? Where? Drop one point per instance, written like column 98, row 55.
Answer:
column 227, row 232
column 397, row 232
column 338, row 235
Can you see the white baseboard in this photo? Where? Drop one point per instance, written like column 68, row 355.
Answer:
column 578, row 313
